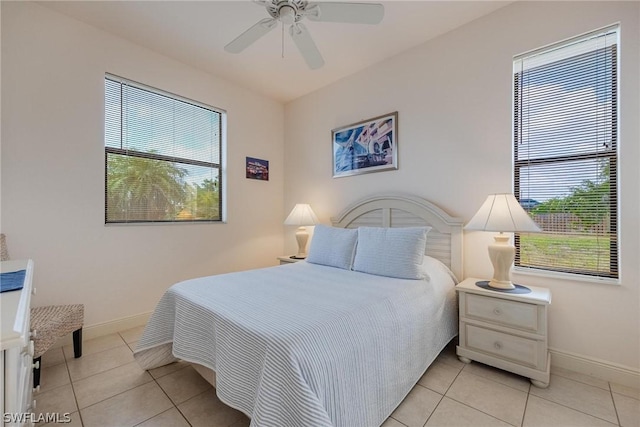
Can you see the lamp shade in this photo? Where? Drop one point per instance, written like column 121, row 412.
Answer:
column 503, row 213
column 301, row 215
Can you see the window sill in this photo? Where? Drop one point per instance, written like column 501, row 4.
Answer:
column 565, row 276
column 162, row 223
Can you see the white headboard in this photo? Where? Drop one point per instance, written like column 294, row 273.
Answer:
column 444, row 241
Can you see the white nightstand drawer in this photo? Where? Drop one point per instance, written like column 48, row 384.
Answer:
column 522, row 350
column 509, row 313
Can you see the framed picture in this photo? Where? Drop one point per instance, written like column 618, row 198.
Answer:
column 367, row 146
column 257, row 169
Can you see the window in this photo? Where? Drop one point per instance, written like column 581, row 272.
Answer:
column 162, row 154
column 565, row 154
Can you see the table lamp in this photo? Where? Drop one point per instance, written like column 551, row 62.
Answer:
column 502, row 213
column 301, row 215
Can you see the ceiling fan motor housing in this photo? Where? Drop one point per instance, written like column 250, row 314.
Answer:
column 287, row 11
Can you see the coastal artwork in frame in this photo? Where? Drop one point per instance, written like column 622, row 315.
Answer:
column 367, row 146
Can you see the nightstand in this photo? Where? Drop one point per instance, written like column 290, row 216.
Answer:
column 505, row 330
column 286, row 259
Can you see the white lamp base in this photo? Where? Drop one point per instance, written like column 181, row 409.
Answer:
column 502, row 255
column 301, row 237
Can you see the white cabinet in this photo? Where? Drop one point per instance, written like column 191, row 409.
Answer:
column 16, row 367
column 505, row 330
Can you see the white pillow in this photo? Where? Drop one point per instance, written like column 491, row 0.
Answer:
column 433, row 267
column 392, row 252
column 333, row 246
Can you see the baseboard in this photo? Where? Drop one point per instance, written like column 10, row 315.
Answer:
column 106, row 328
column 596, row 368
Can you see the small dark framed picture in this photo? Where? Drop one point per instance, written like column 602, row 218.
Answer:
column 257, row 169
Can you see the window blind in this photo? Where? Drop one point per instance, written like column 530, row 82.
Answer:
column 565, row 154
column 162, row 154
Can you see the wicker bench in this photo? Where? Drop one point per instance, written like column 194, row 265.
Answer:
column 50, row 323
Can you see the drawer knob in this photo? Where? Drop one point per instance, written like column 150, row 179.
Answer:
column 29, row 349
column 497, row 311
column 497, row 345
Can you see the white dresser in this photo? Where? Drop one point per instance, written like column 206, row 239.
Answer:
column 16, row 356
column 505, row 330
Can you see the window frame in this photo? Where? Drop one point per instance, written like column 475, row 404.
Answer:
column 165, row 158
column 613, row 273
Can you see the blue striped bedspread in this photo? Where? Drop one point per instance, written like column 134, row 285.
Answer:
column 303, row 344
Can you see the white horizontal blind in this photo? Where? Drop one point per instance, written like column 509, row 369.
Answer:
column 163, row 156
column 565, row 155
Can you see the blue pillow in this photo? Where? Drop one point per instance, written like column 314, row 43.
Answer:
column 333, row 246
column 392, row 252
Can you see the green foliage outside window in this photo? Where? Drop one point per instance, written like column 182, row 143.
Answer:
column 143, row 189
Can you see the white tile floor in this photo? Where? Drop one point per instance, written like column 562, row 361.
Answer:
column 105, row 387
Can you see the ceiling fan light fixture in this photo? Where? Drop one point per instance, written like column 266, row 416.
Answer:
column 287, row 14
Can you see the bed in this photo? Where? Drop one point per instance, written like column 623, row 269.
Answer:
column 312, row 344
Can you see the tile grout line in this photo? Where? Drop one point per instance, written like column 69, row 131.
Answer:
column 526, row 405
column 73, row 389
column 480, row 410
column 581, row 382
column 435, row 407
column 395, row 419
column 498, row 382
column 609, row 389
column 170, row 400
column 153, row 379
column 72, row 381
column 443, row 395
column 578, row 410
column 117, row 394
column 615, row 408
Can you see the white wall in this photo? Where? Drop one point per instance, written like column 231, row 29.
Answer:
column 454, row 100
column 52, row 174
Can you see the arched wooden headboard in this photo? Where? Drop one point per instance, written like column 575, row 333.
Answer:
column 444, row 241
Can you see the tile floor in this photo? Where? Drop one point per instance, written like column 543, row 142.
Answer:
column 105, row 387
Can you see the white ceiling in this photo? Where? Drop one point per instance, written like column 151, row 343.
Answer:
column 195, row 33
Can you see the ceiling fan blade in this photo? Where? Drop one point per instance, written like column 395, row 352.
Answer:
column 353, row 13
column 306, row 46
column 245, row 39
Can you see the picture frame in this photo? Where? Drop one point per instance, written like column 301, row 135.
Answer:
column 367, row 146
column 257, row 169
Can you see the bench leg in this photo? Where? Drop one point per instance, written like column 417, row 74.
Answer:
column 36, row 372
column 77, row 343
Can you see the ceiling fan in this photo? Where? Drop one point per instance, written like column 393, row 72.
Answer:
column 291, row 12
